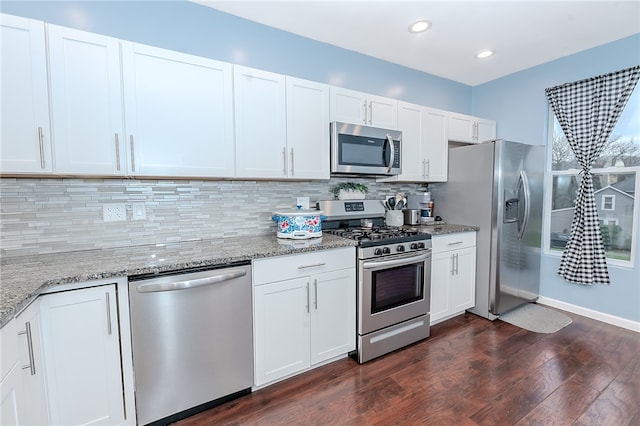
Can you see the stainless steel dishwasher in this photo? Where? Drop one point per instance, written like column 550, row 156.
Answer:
column 192, row 341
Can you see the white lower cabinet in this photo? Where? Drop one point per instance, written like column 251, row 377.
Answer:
column 304, row 312
column 10, row 383
column 453, row 275
column 82, row 356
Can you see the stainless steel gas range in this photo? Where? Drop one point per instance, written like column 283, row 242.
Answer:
column 394, row 276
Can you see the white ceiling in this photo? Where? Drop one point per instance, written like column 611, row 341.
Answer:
column 523, row 33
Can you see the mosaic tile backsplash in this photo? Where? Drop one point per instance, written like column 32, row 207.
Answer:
column 58, row 215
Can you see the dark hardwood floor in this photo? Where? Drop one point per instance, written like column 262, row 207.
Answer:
column 469, row 372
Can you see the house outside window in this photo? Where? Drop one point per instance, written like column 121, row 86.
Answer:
column 616, row 175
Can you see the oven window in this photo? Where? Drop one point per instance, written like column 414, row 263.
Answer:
column 396, row 286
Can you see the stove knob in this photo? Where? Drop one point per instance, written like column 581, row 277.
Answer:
column 400, row 248
column 420, row 245
column 414, row 246
column 377, row 252
column 386, row 250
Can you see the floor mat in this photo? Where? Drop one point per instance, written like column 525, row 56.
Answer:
column 536, row 318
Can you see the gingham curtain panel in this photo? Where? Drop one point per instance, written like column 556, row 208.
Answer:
column 587, row 111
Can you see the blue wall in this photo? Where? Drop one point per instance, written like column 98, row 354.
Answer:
column 192, row 28
column 518, row 103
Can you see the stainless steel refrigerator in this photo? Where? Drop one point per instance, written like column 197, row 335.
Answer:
column 498, row 186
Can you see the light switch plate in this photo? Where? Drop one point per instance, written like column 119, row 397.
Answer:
column 139, row 211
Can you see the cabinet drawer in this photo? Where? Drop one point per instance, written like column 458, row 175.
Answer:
column 300, row 265
column 453, row 241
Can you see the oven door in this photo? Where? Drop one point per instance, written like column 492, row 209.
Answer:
column 393, row 289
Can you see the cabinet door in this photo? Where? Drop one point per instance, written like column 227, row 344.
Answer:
column 333, row 314
column 411, row 122
column 281, row 329
column 260, row 123
column 383, row 112
column 32, row 400
column 435, row 145
column 86, row 102
column 25, row 139
column 179, row 113
column 463, row 281
column 82, row 356
column 10, row 391
column 348, row 106
column 307, row 129
column 441, row 270
column 461, row 127
column 485, row 130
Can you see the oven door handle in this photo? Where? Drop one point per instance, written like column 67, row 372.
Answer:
column 396, row 262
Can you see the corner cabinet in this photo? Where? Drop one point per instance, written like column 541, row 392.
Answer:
column 304, row 312
column 282, row 126
column 82, row 356
column 453, row 275
column 354, row 107
column 465, row 128
column 424, row 144
column 25, row 139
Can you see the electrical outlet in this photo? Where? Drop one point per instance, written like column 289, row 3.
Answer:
column 139, row 211
column 114, row 212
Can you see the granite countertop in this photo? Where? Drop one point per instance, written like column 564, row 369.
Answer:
column 23, row 278
column 442, row 228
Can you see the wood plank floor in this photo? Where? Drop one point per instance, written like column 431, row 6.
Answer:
column 469, row 372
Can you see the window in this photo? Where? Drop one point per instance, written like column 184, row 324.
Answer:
column 616, row 175
column 608, row 202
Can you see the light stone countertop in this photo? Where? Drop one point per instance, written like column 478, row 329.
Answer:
column 23, row 278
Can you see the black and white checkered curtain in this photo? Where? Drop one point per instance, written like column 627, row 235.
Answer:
column 587, row 111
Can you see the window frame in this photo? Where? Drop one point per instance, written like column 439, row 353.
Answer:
column 548, row 200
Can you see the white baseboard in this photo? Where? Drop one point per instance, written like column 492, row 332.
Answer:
column 589, row 313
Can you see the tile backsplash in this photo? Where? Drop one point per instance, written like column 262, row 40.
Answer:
column 56, row 215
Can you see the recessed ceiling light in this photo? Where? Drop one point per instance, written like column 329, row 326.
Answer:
column 484, row 54
column 419, row 26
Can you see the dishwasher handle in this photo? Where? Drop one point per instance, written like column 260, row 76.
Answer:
column 152, row 287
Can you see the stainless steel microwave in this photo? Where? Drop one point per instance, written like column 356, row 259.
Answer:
column 357, row 149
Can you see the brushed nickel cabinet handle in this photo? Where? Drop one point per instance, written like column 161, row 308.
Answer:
column 291, row 161
column 308, row 298
column 364, row 112
column 453, row 263
column 133, row 154
column 284, row 159
column 315, row 293
column 312, row 265
column 370, row 112
column 428, row 167
column 117, row 142
column 41, row 144
column 31, row 366
column 108, row 313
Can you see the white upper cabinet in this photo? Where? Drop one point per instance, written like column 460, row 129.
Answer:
column 86, row 103
column 350, row 106
column 282, row 126
column 25, row 139
column 424, row 144
column 466, row 128
column 307, row 129
column 178, row 113
column 260, row 123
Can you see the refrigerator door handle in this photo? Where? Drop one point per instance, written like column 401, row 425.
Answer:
column 522, row 225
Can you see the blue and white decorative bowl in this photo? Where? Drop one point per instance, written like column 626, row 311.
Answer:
column 299, row 224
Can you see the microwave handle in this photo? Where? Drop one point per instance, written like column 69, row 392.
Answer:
column 392, row 156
